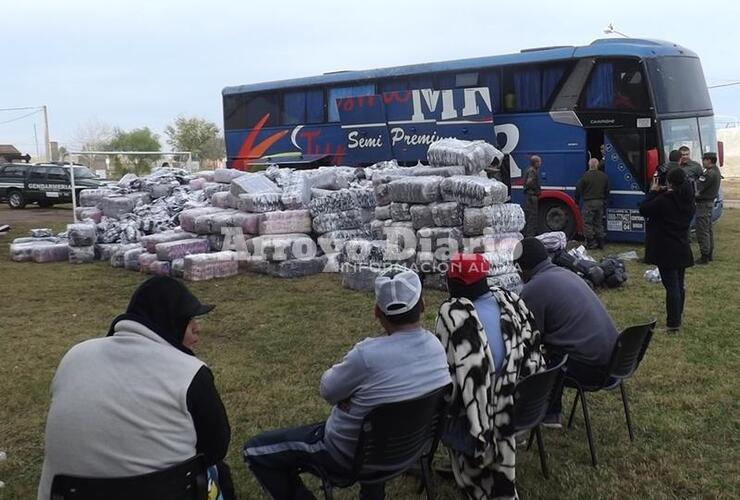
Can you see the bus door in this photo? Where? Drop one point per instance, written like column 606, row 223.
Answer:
column 363, row 120
column 626, row 165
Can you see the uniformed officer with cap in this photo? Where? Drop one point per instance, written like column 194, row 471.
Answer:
column 707, row 189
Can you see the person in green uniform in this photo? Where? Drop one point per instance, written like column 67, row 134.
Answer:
column 692, row 168
column 593, row 188
column 707, row 189
column 532, row 192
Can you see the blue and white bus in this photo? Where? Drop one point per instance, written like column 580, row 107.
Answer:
column 626, row 101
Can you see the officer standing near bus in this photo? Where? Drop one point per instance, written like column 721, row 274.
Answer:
column 532, row 192
column 707, row 189
column 593, row 187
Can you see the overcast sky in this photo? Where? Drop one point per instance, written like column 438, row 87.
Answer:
column 136, row 63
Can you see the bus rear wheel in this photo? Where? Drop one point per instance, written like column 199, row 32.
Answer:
column 555, row 215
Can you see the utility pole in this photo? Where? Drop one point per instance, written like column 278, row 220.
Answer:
column 47, row 145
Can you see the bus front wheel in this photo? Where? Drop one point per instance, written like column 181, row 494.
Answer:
column 555, row 215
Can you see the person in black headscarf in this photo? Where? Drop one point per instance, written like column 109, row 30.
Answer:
column 138, row 400
column 668, row 213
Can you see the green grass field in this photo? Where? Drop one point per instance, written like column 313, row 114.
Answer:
column 269, row 340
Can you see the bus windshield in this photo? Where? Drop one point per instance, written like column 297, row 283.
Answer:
column 678, row 85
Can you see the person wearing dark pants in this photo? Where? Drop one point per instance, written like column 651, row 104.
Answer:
column 405, row 363
column 584, row 373
column 668, row 213
column 569, row 315
column 532, row 192
column 593, row 187
column 707, row 189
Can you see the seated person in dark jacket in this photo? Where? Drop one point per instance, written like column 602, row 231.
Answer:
column 138, row 400
column 668, row 215
column 571, row 318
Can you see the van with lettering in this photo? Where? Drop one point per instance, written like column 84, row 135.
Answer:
column 45, row 184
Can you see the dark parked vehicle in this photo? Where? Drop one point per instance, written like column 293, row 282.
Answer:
column 44, row 184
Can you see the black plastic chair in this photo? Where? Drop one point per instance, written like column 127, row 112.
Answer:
column 532, row 398
column 393, row 438
column 626, row 356
column 185, row 481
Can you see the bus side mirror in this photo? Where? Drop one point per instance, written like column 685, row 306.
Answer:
column 721, row 153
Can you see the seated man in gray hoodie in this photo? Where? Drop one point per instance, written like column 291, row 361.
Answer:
column 405, row 363
column 570, row 317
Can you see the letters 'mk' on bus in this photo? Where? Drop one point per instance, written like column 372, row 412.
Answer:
column 627, row 102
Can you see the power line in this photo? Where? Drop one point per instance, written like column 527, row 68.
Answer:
column 21, row 109
column 20, row 117
column 723, row 85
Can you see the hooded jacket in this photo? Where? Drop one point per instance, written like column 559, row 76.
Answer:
column 668, row 216
column 135, row 401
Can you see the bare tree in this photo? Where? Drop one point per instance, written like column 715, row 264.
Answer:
column 93, row 135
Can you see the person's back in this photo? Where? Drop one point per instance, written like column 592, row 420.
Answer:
column 570, row 316
column 397, row 367
column 594, row 185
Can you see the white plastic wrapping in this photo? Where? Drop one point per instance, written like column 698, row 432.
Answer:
column 554, row 241
column 146, row 259
column 81, row 255
column 131, row 258
column 432, row 239
column 22, row 251
column 495, row 242
column 118, row 257
column 361, row 278
column 92, row 213
column 337, row 201
column 501, row 218
column 252, row 183
column 473, row 155
column 160, row 268
column 260, row 202
column 415, row 189
column 188, row 217
column 92, row 197
column 447, row 214
column 350, row 219
column 285, row 222
column 56, row 252
column 222, row 199
column 400, row 211
column 363, row 252
column 383, row 212
column 177, row 267
column 177, row 249
column 473, row 191
column 421, row 216
column 199, row 267
column 511, row 282
column 334, row 241
column 150, row 241
column 81, row 234
column 296, row 192
column 104, row 251
column 297, row 268
column 282, row 247
column 43, row 232
column 226, row 175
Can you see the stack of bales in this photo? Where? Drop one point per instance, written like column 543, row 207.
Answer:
column 40, row 246
column 82, row 237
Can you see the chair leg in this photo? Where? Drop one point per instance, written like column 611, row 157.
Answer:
column 626, row 403
column 531, row 438
column 426, row 477
column 589, row 435
column 573, row 409
column 541, row 448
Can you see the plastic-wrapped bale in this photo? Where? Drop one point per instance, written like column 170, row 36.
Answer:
column 440, row 171
column 282, row 246
column 382, row 194
column 360, row 278
column 93, row 197
column 337, row 201
column 351, row 219
column 367, row 214
column 56, row 252
column 285, row 222
column 434, row 239
column 296, row 192
column 259, row 202
column 212, row 188
column 416, row 189
column 511, row 282
column 43, row 232
column 31, row 239
column 131, row 258
column 500, row 218
column 447, row 214
column 473, row 191
column 554, row 241
column 81, row 255
column 177, row 249
column 188, row 217
column 363, row 252
column 400, row 233
column 252, row 183
column 197, row 184
column 212, row 222
column 116, row 206
column 384, row 212
column 160, row 268
column 226, row 175
column 333, row 241
column 200, row 267
column 104, row 251
column 365, row 198
column 429, row 262
column 498, row 258
column 176, row 267
column 473, row 155
column 23, row 251
column 249, row 223
column 400, row 211
column 222, row 199
column 435, row 281
column 118, row 257
column 499, row 242
column 421, row 216
column 333, row 264
column 146, row 259
column 296, row 268
column 150, row 241
column 208, row 175
column 81, row 234
column 215, row 242
column 162, row 189
column 92, row 213
column 256, row 265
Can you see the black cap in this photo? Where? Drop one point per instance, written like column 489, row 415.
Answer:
column 710, row 156
column 533, row 252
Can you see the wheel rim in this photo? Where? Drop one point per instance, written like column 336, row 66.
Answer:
column 15, row 200
column 556, row 219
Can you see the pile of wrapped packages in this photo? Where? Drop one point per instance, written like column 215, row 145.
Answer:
column 290, row 223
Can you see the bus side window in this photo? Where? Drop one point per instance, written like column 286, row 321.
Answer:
column 446, row 81
column 523, row 89
column 235, row 111
column 463, row 80
column 491, row 80
column 341, row 92
column 421, row 82
column 315, row 106
column 392, row 85
column 616, row 84
column 294, row 108
column 260, row 106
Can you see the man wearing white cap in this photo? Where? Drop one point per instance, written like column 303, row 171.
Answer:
column 405, row 363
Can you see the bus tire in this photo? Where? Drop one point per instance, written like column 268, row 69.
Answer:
column 554, row 215
column 16, row 199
